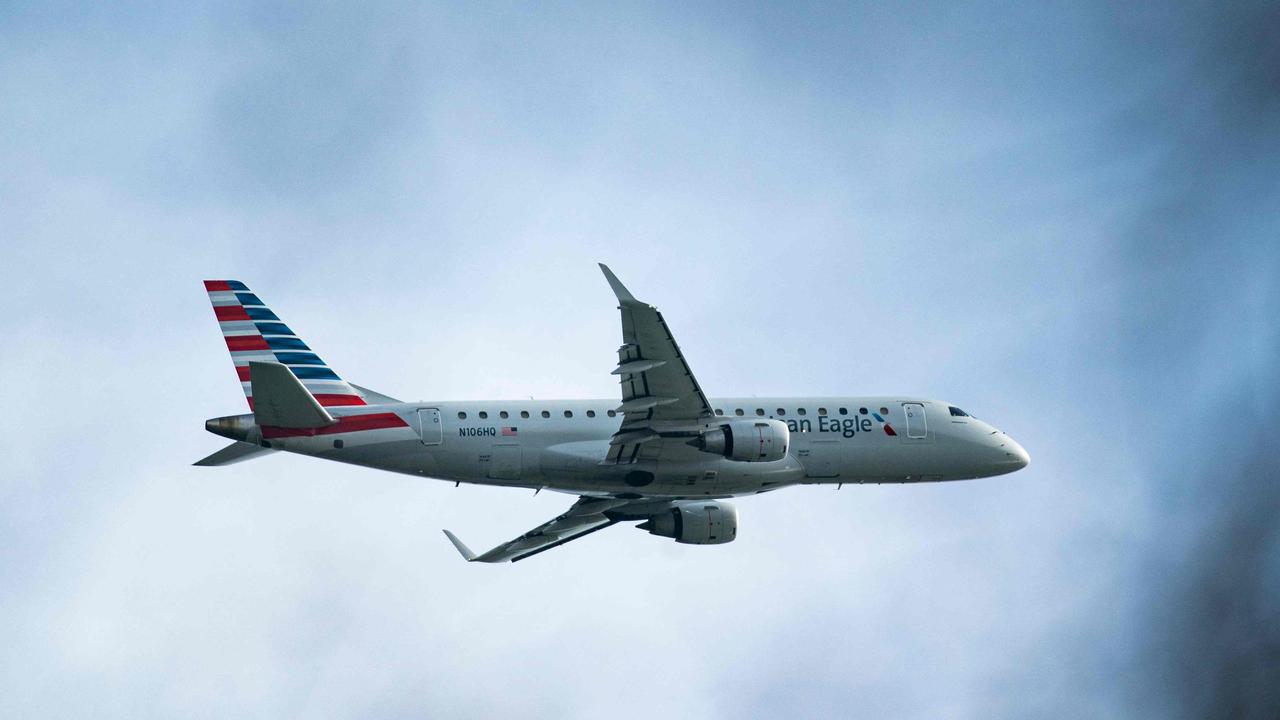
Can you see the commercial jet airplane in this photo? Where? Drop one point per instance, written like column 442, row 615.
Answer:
column 665, row 455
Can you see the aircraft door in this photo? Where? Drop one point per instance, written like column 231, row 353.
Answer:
column 916, row 427
column 430, row 430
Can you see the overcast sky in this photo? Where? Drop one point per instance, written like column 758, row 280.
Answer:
column 1059, row 217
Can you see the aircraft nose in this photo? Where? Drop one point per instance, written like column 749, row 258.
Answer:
column 1002, row 454
column 1017, row 455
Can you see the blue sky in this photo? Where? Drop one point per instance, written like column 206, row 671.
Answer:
column 1059, row 217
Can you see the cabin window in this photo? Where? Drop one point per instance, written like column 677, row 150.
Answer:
column 862, row 411
column 462, row 416
column 546, row 413
column 484, row 415
column 844, row 411
column 884, row 411
column 800, row 411
column 781, row 412
column 591, row 413
column 957, row 412
column 719, row 411
column 568, row 413
column 738, row 412
column 613, row 413
column 524, row 413
column 504, row 415
column 760, row 412
column 822, row 412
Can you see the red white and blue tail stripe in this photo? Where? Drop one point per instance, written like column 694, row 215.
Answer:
column 254, row 333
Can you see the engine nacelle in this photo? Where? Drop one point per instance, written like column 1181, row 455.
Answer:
column 747, row 440
column 711, row 522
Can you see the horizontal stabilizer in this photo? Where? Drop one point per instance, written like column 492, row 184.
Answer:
column 281, row 400
column 234, row 453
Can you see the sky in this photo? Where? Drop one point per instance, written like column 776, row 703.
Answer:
column 1060, row 217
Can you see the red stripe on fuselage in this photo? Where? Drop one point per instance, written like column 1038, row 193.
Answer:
column 236, row 343
column 230, row 312
column 348, row 424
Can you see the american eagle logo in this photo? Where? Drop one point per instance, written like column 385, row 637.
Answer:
column 888, row 429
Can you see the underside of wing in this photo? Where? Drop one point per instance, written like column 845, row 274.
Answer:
column 659, row 391
column 586, row 516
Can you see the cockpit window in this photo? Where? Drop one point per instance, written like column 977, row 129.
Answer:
column 957, row 412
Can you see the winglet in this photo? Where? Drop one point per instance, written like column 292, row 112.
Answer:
column 624, row 295
column 463, row 550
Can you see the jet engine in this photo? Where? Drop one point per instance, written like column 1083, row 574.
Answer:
column 746, row 440
column 710, row 522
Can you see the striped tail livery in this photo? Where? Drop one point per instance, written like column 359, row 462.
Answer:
column 256, row 334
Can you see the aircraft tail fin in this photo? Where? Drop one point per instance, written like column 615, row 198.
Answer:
column 254, row 333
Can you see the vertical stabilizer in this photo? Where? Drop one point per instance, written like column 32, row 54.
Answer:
column 256, row 334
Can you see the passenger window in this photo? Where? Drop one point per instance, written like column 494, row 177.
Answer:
column 800, row 411
column 862, row 411
column 822, row 412
column 781, row 412
column 546, row 414
column 613, row 413
column 719, row 411
column 760, row 412
column 844, row 411
column 462, row 416
column 738, row 412
column 504, row 415
column 568, row 413
column 884, row 411
column 591, row 413
column 484, row 415
column 524, row 413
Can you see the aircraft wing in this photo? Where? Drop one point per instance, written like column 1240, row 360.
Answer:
column 586, row 516
column 658, row 388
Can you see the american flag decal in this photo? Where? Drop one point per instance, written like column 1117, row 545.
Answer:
column 508, row 431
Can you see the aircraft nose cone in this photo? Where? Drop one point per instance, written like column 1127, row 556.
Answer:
column 1002, row 454
column 1018, row 455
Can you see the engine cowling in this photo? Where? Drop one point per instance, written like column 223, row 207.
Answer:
column 745, row 440
column 711, row 522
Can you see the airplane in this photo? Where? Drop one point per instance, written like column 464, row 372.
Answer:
column 664, row 455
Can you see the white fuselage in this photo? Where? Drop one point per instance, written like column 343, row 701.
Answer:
column 560, row 445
